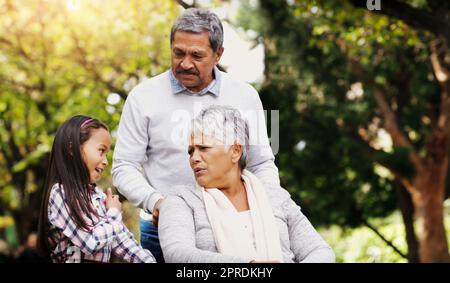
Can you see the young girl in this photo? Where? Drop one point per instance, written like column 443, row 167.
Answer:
column 78, row 222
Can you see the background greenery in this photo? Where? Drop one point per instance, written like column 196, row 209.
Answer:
column 324, row 60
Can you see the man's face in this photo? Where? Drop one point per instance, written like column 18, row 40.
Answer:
column 193, row 59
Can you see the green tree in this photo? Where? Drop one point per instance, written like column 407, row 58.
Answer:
column 364, row 110
column 61, row 58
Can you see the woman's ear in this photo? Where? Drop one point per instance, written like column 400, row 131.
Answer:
column 236, row 152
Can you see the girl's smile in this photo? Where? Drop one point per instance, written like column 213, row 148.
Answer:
column 94, row 152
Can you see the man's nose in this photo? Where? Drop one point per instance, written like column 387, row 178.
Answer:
column 105, row 161
column 186, row 64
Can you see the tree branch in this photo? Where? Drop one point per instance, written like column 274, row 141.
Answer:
column 435, row 5
column 390, row 120
column 5, row 41
column 186, row 5
column 389, row 243
column 441, row 71
column 41, row 105
column 89, row 66
column 438, row 51
column 391, row 125
column 6, row 156
column 15, row 152
column 371, row 152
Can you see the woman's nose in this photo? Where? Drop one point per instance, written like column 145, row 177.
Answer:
column 195, row 157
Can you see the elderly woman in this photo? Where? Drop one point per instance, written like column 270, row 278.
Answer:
column 230, row 216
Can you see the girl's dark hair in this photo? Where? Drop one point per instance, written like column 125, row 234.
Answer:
column 68, row 169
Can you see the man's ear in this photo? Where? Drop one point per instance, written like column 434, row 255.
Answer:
column 219, row 54
column 236, row 152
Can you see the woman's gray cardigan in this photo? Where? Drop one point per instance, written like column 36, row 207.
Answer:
column 185, row 233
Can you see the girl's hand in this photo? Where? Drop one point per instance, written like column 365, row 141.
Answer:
column 112, row 200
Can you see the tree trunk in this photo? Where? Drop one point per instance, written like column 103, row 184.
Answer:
column 19, row 214
column 428, row 198
column 26, row 216
column 407, row 209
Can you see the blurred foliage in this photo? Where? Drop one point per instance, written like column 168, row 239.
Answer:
column 6, row 221
column 363, row 245
column 323, row 59
column 62, row 58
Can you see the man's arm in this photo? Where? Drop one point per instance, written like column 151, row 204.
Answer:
column 130, row 154
column 261, row 160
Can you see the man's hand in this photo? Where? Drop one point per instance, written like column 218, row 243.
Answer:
column 155, row 212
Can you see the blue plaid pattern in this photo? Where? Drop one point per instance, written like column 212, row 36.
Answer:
column 213, row 87
column 107, row 234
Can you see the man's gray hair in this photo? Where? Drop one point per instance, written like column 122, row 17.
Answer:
column 226, row 124
column 200, row 20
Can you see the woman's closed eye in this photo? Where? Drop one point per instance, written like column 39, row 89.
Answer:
column 200, row 147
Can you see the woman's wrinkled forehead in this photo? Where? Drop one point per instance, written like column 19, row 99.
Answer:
column 224, row 134
column 201, row 138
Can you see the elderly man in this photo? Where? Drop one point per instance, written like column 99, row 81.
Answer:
column 150, row 154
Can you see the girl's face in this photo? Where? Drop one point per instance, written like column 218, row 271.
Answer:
column 94, row 152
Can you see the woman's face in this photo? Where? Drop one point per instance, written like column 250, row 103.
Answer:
column 211, row 161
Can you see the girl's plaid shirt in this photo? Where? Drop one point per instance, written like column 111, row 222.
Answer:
column 107, row 234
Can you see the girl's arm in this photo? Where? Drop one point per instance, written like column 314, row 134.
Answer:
column 126, row 247
column 90, row 241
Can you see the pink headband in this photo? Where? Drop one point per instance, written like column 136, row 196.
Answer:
column 86, row 122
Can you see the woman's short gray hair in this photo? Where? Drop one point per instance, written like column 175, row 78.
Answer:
column 200, row 20
column 226, row 124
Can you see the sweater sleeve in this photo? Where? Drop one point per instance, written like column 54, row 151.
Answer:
column 127, row 248
column 261, row 160
column 177, row 235
column 305, row 242
column 130, row 154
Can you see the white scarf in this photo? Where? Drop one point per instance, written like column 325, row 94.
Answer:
column 231, row 239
